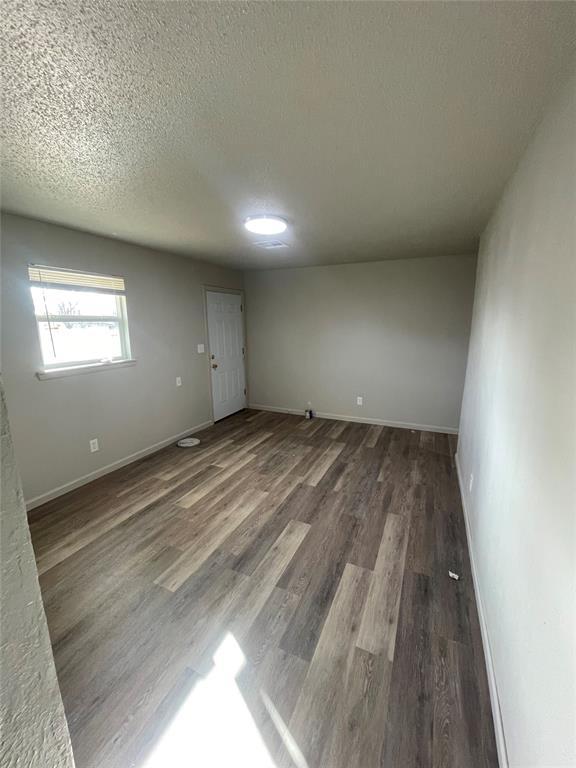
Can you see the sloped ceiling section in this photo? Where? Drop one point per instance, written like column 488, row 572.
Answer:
column 380, row 130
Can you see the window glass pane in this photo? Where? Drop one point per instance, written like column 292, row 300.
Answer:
column 75, row 342
column 63, row 302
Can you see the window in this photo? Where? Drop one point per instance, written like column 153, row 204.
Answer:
column 81, row 317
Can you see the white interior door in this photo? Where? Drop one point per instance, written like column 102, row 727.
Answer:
column 226, row 339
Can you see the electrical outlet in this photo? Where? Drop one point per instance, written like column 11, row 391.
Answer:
column 178, row 381
column 94, row 445
column 200, row 349
column 471, row 483
column 359, row 400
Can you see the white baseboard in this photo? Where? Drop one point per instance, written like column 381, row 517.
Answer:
column 357, row 419
column 492, row 685
column 62, row 489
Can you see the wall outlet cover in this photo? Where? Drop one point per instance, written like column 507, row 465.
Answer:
column 200, row 349
column 359, row 400
column 178, row 381
column 94, row 445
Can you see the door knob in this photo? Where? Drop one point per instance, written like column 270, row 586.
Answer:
column 214, row 365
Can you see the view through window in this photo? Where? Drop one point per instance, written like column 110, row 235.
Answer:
column 81, row 317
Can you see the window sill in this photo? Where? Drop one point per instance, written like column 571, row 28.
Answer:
column 60, row 373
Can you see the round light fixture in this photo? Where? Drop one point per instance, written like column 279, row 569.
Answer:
column 266, row 225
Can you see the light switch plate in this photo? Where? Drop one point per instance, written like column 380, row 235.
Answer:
column 178, row 381
column 200, row 349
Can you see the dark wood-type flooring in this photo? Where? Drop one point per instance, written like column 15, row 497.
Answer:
column 278, row 596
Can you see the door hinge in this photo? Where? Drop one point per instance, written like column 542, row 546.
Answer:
column 244, row 390
column 243, row 351
column 241, row 308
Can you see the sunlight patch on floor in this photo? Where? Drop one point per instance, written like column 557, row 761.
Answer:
column 214, row 727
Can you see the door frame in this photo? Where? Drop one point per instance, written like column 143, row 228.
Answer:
column 239, row 292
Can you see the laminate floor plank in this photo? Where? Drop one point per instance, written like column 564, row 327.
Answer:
column 323, row 464
column 288, row 575
column 409, row 727
column 270, row 691
column 209, row 539
column 314, row 574
column 377, row 633
column 360, row 713
column 270, row 624
column 372, row 517
column 330, row 665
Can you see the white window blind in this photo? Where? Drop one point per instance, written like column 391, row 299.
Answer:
column 55, row 277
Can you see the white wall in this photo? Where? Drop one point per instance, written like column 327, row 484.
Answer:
column 128, row 409
column 394, row 332
column 517, row 438
column 34, row 728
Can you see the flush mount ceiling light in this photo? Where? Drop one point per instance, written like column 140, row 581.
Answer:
column 266, row 225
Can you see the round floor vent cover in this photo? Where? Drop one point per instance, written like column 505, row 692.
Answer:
column 188, row 442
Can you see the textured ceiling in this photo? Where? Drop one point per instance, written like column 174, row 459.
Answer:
column 380, row 130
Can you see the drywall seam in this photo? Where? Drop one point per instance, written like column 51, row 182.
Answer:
column 357, row 419
column 70, row 486
column 492, row 685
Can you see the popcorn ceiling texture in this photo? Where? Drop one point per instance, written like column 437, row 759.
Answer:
column 34, row 728
column 380, row 129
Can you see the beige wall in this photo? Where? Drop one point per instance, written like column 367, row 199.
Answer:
column 518, row 440
column 33, row 725
column 128, row 409
column 394, row 332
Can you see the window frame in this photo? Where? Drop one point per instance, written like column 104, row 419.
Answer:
column 120, row 319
